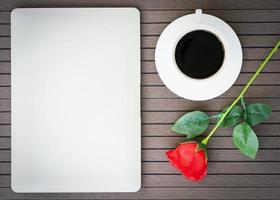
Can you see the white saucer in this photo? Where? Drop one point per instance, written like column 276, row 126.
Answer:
column 198, row 89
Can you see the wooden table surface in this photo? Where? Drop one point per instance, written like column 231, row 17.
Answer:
column 231, row 175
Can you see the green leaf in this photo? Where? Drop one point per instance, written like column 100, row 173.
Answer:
column 257, row 113
column 191, row 124
column 245, row 140
column 233, row 117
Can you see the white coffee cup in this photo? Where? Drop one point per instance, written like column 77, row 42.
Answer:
column 191, row 88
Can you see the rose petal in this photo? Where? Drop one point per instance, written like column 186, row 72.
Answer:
column 187, row 160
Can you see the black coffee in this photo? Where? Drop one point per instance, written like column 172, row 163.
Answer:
column 199, row 54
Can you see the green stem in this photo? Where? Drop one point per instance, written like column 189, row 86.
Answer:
column 214, row 116
column 244, row 107
column 252, row 79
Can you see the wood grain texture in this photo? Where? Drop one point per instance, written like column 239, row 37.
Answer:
column 228, row 15
column 257, row 28
column 8, row 5
column 5, row 92
column 222, row 155
column 157, row 193
column 171, row 142
column 154, row 79
column 185, row 105
column 167, row 16
column 246, row 41
column 163, row 130
column 231, row 174
column 168, row 117
column 247, row 66
column 163, row 92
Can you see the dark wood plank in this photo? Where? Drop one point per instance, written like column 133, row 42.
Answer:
column 211, row 181
column 5, row 118
column 164, row 130
column 217, row 168
column 4, row 30
column 254, row 91
column 5, row 55
column 247, row 66
column 167, row 16
column 166, row 117
column 186, row 105
column 5, row 143
column 5, row 181
column 157, row 193
column 154, row 79
column 5, row 17
column 5, row 80
column 215, row 155
column 5, row 155
column 239, row 28
column 227, row 15
column 5, row 42
column 5, row 130
column 5, row 105
column 5, row 67
column 5, row 92
column 5, row 168
column 171, row 142
column 146, row 4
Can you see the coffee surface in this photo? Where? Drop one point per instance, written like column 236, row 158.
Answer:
column 199, row 54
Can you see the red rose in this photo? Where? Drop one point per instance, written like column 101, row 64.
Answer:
column 190, row 158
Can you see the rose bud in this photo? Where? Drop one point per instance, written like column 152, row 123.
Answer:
column 190, row 158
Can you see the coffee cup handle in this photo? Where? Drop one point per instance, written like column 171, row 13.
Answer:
column 198, row 14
